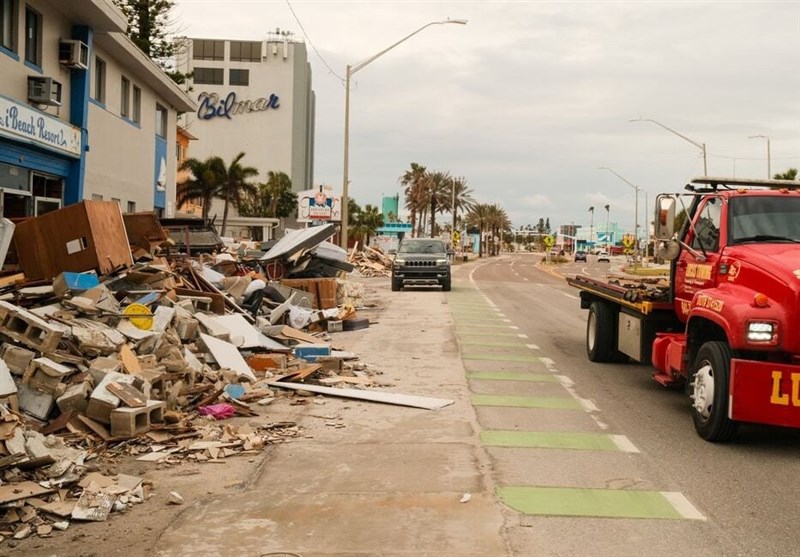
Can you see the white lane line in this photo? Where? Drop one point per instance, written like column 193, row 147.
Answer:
column 513, row 327
column 532, row 346
column 570, row 296
column 682, row 505
column 624, row 444
column 522, row 335
column 587, row 404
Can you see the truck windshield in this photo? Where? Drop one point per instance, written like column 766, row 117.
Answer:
column 765, row 219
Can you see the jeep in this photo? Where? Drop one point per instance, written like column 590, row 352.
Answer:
column 421, row 261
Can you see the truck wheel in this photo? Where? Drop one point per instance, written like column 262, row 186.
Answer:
column 601, row 333
column 709, row 385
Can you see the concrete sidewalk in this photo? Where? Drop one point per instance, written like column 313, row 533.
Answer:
column 367, row 478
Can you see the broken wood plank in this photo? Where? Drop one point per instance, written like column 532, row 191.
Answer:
column 300, row 374
column 128, row 394
column 22, row 490
column 398, row 399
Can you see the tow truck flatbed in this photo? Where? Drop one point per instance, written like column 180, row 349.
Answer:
column 631, row 297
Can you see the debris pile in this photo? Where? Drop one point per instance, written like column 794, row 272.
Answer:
column 111, row 345
column 372, row 262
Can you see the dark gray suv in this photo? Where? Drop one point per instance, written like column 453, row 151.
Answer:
column 421, row 261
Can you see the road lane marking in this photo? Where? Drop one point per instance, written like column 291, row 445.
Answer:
column 601, row 503
column 576, row 440
column 532, row 346
column 512, row 376
column 501, row 358
column 495, row 344
column 624, row 444
column 513, row 401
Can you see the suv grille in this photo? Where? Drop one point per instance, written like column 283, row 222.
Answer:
column 421, row 263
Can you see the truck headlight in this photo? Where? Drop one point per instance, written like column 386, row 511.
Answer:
column 762, row 331
column 441, row 261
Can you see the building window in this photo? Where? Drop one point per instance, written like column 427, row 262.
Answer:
column 118, row 201
column 161, row 121
column 7, row 24
column 208, row 76
column 178, row 152
column 131, row 206
column 245, row 51
column 33, row 37
column 239, row 77
column 99, row 80
column 97, row 197
column 137, row 105
column 208, row 50
column 125, row 98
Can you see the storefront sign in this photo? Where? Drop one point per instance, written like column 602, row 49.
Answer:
column 212, row 105
column 20, row 121
column 316, row 205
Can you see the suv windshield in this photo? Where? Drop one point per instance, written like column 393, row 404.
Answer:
column 421, row 246
column 765, row 219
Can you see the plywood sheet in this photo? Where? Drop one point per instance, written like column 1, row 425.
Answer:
column 374, row 396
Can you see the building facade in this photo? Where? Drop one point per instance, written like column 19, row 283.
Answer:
column 84, row 114
column 253, row 97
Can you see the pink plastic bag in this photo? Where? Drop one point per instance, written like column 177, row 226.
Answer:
column 218, row 411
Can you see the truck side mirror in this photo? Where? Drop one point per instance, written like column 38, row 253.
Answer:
column 665, row 217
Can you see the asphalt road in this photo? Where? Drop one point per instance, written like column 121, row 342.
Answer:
column 745, row 490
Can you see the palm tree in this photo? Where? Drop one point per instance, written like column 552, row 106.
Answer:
column 477, row 217
column 498, row 222
column 234, row 185
column 790, row 174
column 278, row 183
column 201, row 184
column 437, row 192
column 368, row 221
column 413, row 181
column 461, row 198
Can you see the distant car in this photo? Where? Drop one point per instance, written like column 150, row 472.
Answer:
column 603, row 256
column 580, row 256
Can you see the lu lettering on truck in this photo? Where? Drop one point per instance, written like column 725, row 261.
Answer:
column 766, row 393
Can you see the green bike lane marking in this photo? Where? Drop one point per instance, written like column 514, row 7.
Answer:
column 460, row 325
column 601, row 503
column 520, row 345
column 514, row 401
column 473, row 333
column 501, row 358
column 577, row 440
column 512, row 376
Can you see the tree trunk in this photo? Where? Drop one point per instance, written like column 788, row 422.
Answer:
column 225, row 216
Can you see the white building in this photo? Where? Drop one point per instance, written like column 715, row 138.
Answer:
column 253, row 97
column 84, row 114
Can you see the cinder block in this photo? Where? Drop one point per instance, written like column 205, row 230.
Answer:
column 43, row 374
column 127, row 422
column 75, row 398
column 102, row 366
column 28, row 329
column 16, row 357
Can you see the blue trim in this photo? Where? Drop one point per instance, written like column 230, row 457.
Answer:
column 131, row 122
column 24, row 156
column 79, row 116
column 34, row 67
column 97, row 103
column 9, row 53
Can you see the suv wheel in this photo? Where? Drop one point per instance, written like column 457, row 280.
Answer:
column 397, row 284
column 446, row 285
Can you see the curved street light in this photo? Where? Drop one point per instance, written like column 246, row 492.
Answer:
column 635, row 207
column 350, row 71
column 701, row 146
column 769, row 161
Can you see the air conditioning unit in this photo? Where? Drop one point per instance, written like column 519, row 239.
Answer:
column 73, row 54
column 44, row 90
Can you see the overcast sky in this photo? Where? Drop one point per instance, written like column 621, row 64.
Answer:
column 528, row 99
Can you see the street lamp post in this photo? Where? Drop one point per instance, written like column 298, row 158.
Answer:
column 769, row 156
column 591, row 227
column 635, row 208
column 608, row 236
column 349, row 73
column 701, row 146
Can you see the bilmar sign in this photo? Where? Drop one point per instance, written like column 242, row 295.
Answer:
column 20, row 121
column 213, row 106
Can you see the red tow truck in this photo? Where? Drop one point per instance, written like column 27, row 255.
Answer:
column 726, row 325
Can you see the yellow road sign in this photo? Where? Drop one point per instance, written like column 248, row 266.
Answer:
column 549, row 241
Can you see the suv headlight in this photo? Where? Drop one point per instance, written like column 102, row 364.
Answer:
column 399, row 261
column 762, row 332
column 441, row 261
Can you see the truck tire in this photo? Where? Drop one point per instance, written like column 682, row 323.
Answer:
column 601, row 333
column 709, row 387
column 397, row 284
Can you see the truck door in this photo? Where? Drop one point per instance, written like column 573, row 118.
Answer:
column 696, row 270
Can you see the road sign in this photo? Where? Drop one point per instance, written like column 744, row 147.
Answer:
column 456, row 238
column 549, row 241
column 628, row 241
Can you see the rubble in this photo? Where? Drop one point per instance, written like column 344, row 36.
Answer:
column 147, row 354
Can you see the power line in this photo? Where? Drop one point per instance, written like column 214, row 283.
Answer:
column 308, row 40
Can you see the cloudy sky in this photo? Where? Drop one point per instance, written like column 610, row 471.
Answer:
column 529, row 99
